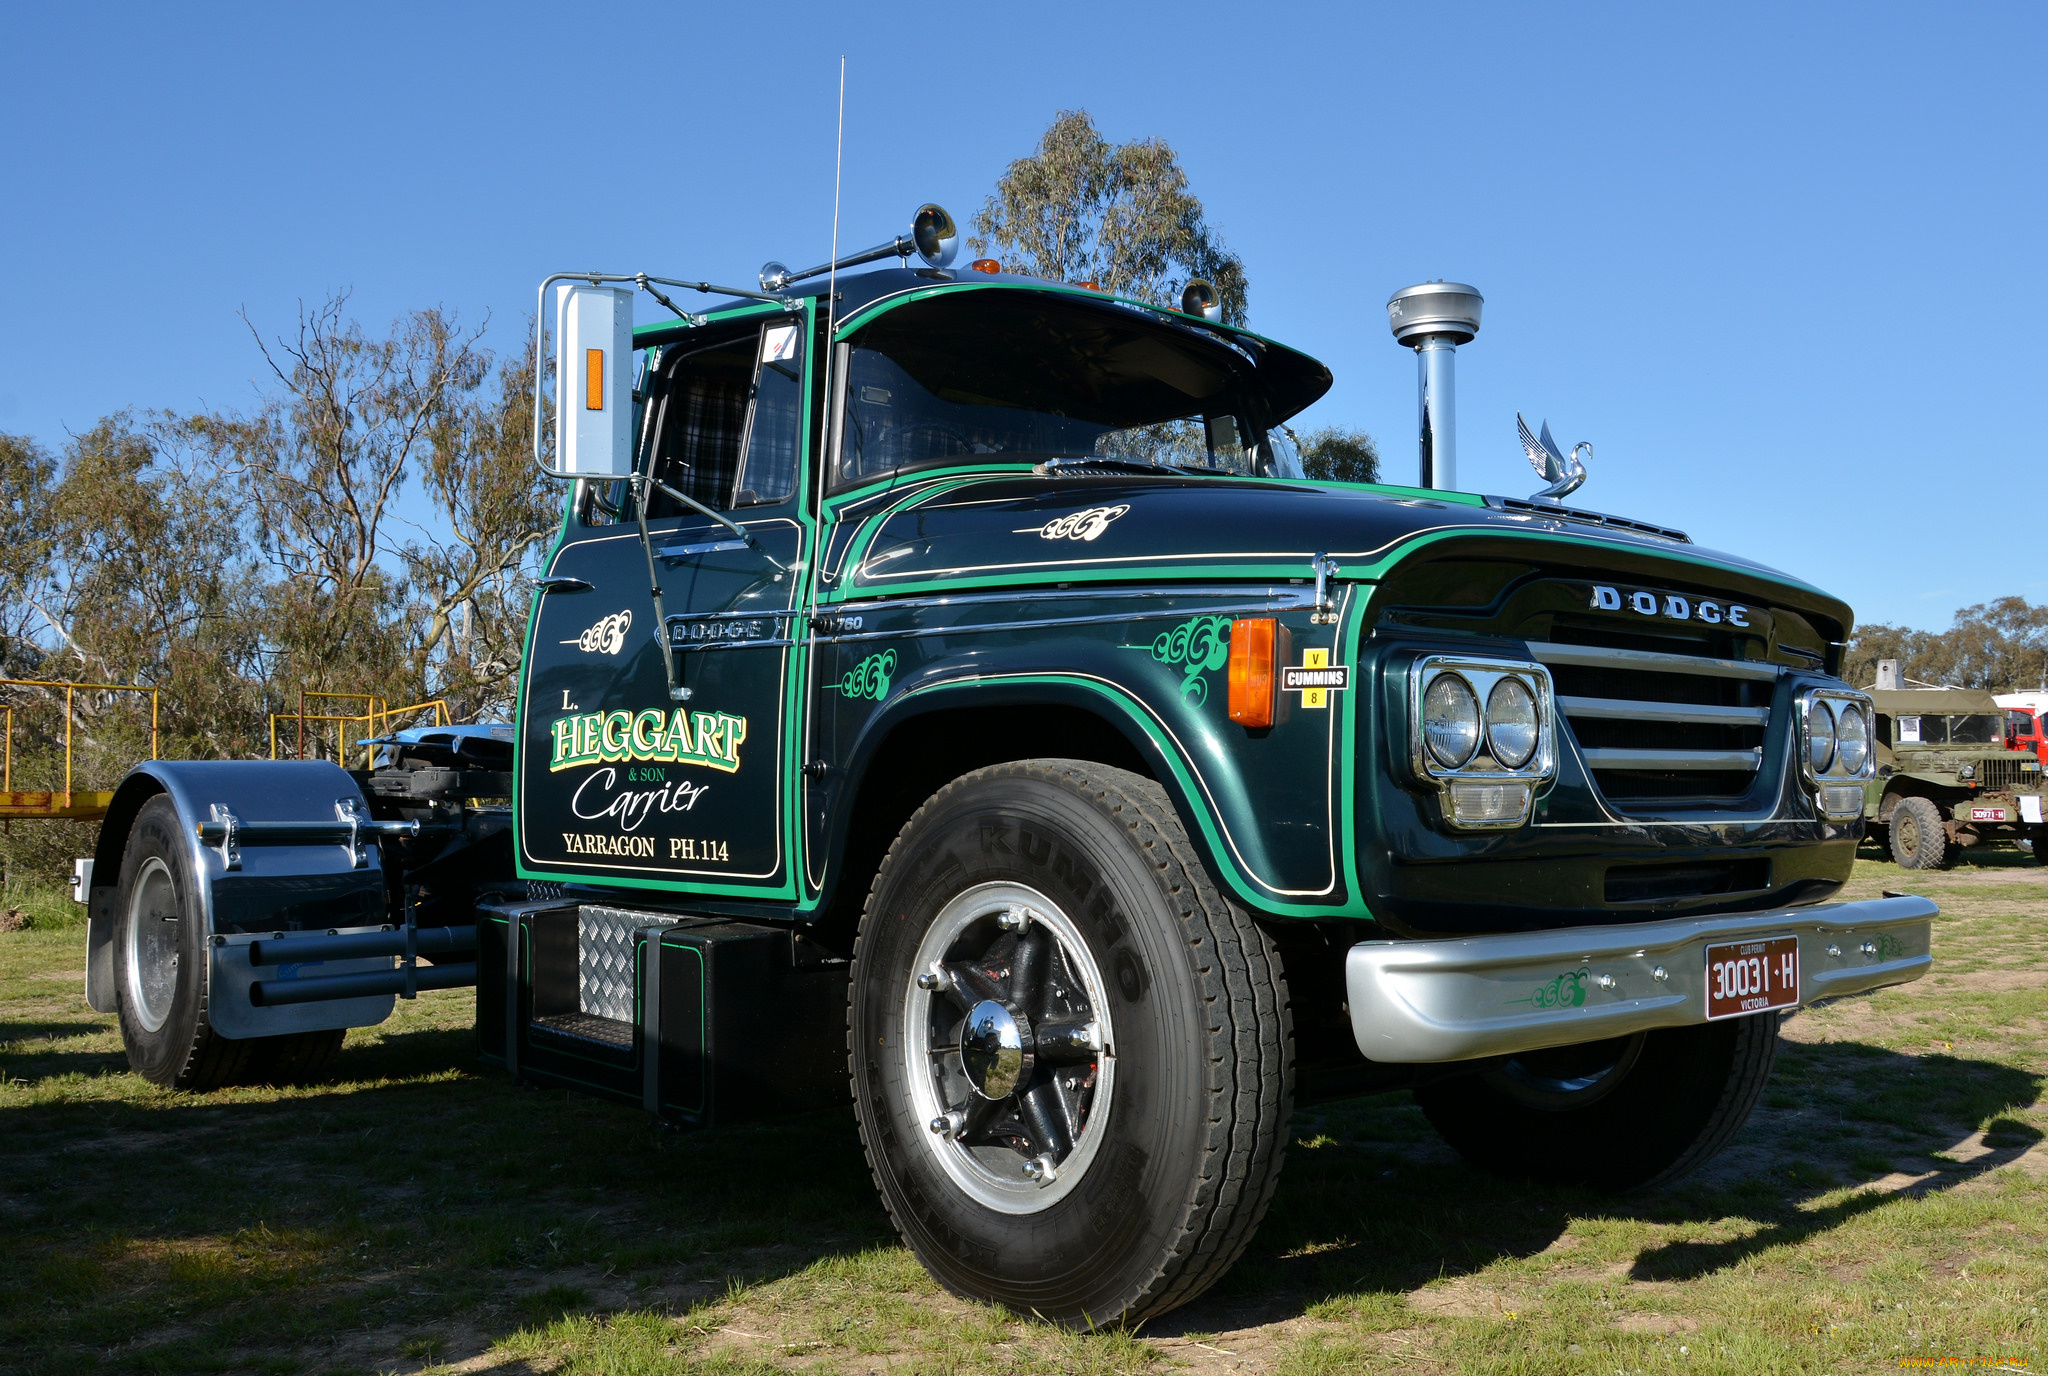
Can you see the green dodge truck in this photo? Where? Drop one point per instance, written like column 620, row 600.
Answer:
column 947, row 695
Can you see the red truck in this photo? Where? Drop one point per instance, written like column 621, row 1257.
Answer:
column 2026, row 722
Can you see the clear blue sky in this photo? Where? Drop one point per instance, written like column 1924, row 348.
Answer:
column 1781, row 264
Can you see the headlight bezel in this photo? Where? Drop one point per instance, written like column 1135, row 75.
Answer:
column 1481, row 676
column 1835, row 702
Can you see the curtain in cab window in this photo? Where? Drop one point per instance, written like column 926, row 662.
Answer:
column 727, row 421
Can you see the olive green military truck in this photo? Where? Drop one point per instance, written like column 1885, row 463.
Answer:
column 1945, row 780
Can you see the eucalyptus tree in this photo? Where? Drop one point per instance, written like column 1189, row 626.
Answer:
column 1118, row 215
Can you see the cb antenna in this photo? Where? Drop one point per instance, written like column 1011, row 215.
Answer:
column 832, row 296
column 838, row 162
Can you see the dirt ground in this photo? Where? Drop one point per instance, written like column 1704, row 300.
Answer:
column 1887, row 1203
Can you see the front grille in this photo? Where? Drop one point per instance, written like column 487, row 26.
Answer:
column 1661, row 727
column 1665, row 883
column 2009, row 775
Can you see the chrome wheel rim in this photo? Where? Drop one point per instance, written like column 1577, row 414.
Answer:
column 1007, row 1048
column 153, row 917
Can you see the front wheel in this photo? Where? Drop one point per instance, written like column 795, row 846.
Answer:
column 1621, row 1114
column 1070, row 1055
column 1919, row 840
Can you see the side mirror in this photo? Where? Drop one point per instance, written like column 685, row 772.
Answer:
column 593, row 382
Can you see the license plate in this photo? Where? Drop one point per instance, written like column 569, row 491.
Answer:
column 1752, row 976
column 1987, row 814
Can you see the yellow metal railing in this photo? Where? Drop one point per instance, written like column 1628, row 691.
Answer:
column 69, row 803
column 376, row 719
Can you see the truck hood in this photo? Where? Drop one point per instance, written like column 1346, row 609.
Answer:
column 954, row 533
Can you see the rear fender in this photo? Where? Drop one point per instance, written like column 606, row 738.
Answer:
column 259, row 891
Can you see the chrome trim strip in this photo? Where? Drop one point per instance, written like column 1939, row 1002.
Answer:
column 1041, row 623
column 1292, row 597
column 1625, row 709
column 1465, row 998
column 1615, row 758
column 1602, row 657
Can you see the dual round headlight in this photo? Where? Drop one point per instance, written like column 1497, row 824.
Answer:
column 1452, row 727
column 1836, row 731
column 1852, row 738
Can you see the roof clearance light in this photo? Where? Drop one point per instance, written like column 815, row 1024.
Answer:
column 1251, row 670
column 1089, row 286
column 1200, row 298
column 986, row 265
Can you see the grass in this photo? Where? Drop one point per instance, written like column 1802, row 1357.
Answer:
column 1889, row 1201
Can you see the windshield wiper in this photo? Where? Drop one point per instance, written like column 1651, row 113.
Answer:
column 1053, row 466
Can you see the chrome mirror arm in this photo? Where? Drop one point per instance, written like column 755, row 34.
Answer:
column 739, row 532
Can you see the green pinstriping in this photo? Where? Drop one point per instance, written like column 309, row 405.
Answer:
column 794, row 857
column 1252, row 891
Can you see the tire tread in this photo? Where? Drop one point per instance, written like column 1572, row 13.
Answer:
column 1250, row 1031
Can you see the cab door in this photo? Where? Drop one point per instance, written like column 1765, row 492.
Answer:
column 623, row 779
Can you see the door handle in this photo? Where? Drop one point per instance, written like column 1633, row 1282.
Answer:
column 701, row 547
column 560, row 583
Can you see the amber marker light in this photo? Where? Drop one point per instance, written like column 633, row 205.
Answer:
column 593, row 379
column 1251, row 670
column 985, row 265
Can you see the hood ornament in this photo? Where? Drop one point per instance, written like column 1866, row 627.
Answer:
column 1564, row 475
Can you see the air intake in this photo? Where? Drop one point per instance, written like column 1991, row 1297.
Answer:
column 1434, row 319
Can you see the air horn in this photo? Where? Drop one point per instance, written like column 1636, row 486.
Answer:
column 933, row 237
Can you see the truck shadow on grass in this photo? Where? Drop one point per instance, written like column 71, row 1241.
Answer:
column 420, row 1200
column 1372, row 1201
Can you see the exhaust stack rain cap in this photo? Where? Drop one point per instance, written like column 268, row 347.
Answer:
column 1434, row 318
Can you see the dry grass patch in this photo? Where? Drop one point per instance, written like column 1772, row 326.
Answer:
column 1889, row 1199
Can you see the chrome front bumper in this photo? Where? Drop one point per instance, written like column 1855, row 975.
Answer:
column 1461, row 999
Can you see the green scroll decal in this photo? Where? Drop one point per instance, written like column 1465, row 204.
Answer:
column 869, row 679
column 1568, row 990
column 1195, row 647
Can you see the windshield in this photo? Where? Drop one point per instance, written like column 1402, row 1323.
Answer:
column 1975, row 729
column 1030, row 376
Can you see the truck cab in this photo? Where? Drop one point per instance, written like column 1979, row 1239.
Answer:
column 2026, row 722
column 949, row 695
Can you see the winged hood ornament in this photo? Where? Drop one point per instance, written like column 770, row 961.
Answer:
column 1563, row 474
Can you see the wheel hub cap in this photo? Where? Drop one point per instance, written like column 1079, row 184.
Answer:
column 996, row 1049
column 1009, row 1048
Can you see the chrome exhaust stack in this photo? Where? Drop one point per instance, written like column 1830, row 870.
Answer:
column 1433, row 319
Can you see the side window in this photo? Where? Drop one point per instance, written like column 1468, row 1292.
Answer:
column 726, row 419
column 769, row 473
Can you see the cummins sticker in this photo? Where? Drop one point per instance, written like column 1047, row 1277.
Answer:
column 607, row 637
column 1669, row 605
column 1315, row 678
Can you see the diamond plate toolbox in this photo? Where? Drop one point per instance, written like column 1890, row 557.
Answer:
column 604, row 959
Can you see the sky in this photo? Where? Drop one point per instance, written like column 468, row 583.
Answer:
column 1780, row 264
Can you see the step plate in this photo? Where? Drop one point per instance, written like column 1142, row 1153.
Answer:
column 584, row 1027
column 604, row 959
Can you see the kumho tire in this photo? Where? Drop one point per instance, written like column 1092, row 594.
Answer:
column 1630, row 1113
column 1180, row 1139
column 160, row 983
